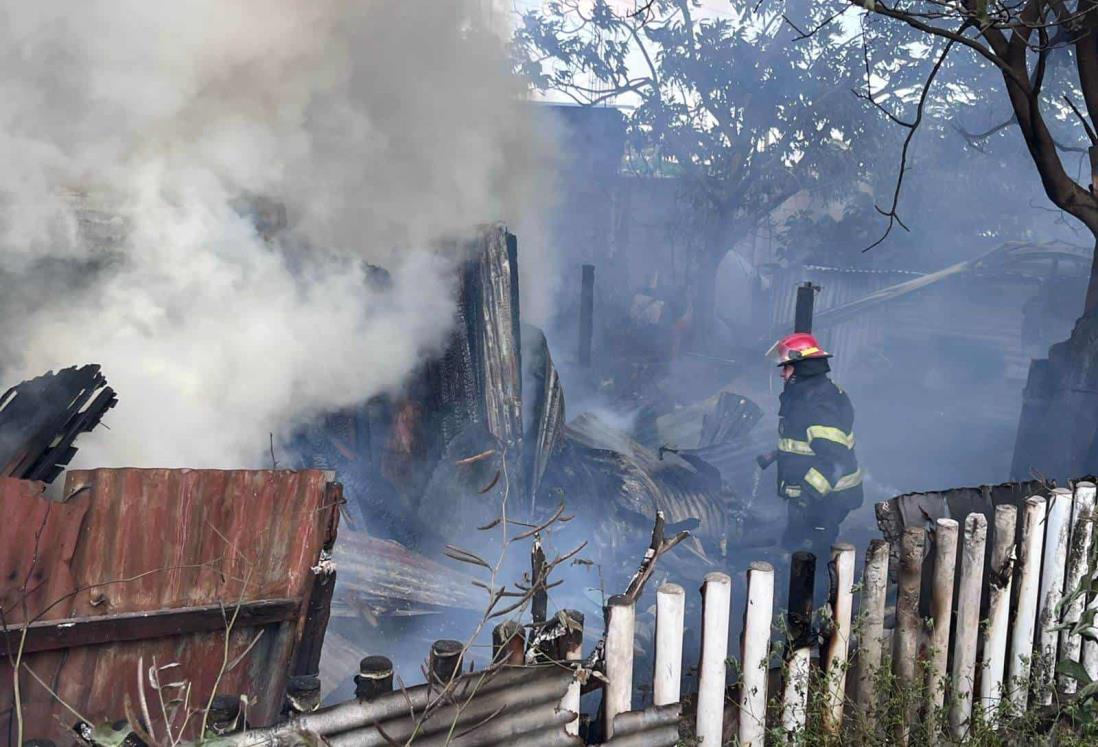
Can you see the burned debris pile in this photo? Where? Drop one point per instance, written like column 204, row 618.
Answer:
column 486, row 420
column 41, row 418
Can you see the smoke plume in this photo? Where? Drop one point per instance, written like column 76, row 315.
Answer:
column 144, row 143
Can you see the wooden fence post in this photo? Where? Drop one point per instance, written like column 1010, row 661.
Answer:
column 908, row 623
column 874, row 591
column 802, row 577
column 444, row 664
column 618, row 693
column 374, row 678
column 842, row 602
column 998, row 613
column 670, row 617
column 755, row 658
column 1082, row 529
column 941, row 612
column 1025, row 616
column 965, row 641
column 508, row 643
column 716, row 607
column 572, row 651
column 1053, row 569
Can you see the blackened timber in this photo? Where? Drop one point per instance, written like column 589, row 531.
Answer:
column 75, row 632
column 802, row 577
column 806, row 300
column 41, row 418
column 307, row 658
column 587, row 314
column 374, row 678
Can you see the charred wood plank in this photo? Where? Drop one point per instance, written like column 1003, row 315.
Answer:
column 75, row 632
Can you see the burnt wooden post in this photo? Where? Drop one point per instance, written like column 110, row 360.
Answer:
column 587, row 314
column 374, row 678
column 303, row 687
column 224, row 715
column 508, row 644
column 806, row 301
column 539, row 602
column 571, row 650
column 798, row 616
column 445, row 663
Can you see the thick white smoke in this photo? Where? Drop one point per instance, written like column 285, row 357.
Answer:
column 130, row 131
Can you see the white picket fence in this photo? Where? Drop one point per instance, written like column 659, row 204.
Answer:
column 1006, row 657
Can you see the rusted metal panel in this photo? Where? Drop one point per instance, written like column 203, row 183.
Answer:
column 131, row 541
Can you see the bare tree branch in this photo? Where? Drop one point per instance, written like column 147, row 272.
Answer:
column 912, row 128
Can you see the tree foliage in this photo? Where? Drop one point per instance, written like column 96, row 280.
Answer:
column 729, row 104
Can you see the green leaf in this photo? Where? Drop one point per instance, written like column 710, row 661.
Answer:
column 1073, row 669
column 1087, row 692
column 106, row 735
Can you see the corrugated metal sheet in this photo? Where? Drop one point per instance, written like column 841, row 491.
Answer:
column 388, row 578
column 655, row 726
column 857, row 312
column 514, row 705
column 145, row 541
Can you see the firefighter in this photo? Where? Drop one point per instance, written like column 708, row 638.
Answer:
column 818, row 473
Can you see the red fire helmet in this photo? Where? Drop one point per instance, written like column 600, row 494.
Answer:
column 798, row 346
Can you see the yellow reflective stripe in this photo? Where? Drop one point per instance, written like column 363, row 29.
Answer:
column 816, row 479
column 792, row 491
column 849, row 481
column 828, row 433
column 793, row 446
column 807, row 351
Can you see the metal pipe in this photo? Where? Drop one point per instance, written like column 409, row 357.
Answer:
column 941, row 612
column 1025, row 615
column 998, row 614
column 874, row 591
column 670, row 617
column 618, row 693
column 968, row 624
column 755, row 659
column 572, row 644
column 1053, row 570
column 716, row 607
column 835, row 655
column 1082, row 530
column 632, row 722
column 908, row 622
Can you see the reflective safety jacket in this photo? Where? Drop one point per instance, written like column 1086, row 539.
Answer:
column 816, row 459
